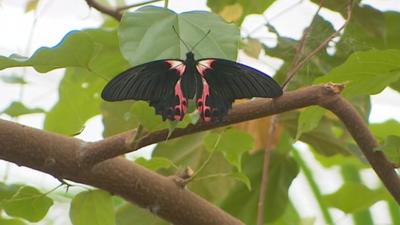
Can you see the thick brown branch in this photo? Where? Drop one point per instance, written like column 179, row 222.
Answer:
column 324, row 95
column 120, row 144
column 366, row 141
column 57, row 155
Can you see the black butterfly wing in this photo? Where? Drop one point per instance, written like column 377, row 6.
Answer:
column 157, row 82
column 225, row 80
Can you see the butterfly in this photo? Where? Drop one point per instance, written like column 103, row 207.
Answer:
column 169, row 84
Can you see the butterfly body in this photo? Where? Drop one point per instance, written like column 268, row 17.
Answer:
column 212, row 83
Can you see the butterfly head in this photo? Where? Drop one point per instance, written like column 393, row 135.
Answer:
column 190, row 56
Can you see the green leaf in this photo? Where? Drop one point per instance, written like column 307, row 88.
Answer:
column 189, row 151
column 391, row 148
column 242, row 178
column 13, row 79
column 7, row 191
column 232, row 143
column 139, row 30
column 28, row 203
column 92, row 208
column 79, row 91
column 366, row 73
column 254, row 7
column 382, row 130
column 155, row 163
column 117, row 117
column 11, row 222
column 353, row 197
column 339, row 159
column 289, row 217
column 243, row 204
column 16, row 109
column 130, row 214
column 147, row 117
column 309, row 119
column 75, row 50
column 79, row 100
column 322, row 138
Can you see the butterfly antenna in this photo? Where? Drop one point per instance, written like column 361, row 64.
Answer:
column 184, row 43
column 208, row 32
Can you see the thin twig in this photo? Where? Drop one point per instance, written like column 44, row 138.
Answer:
column 265, row 173
column 292, row 72
column 273, row 125
column 122, row 8
column 104, row 9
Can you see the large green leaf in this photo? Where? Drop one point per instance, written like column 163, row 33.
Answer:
column 27, row 203
column 79, row 91
column 75, row 50
column 353, row 197
column 147, row 35
column 92, row 208
column 16, row 109
column 366, row 73
column 79, row 100
column 243, row 203
column 117, row 117
column 232, row 142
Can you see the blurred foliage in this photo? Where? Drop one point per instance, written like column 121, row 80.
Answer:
column 227, row 161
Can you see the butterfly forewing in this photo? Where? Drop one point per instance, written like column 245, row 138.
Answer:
column 156, row 82
column 226, row 81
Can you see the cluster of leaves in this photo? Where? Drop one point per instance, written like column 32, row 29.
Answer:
column 366, row 58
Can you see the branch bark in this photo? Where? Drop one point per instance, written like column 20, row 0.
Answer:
column 60, row 156
column 57, row 155
column 326, row 96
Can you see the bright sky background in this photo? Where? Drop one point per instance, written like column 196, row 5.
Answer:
column 23, row 33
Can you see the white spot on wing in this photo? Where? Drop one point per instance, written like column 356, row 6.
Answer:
column 176, row 65
column 203, row 65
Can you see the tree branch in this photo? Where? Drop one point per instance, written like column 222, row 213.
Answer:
column 57, row 155
column 60, row 156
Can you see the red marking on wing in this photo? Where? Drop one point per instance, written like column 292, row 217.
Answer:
column 176, row 65
column 181, row 108
column 204, row 65
column 204, row 110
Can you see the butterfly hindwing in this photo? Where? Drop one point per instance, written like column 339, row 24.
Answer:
column 224, row 81
column 156, row 82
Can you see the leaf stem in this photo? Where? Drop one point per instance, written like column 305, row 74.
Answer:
column 205, row 163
